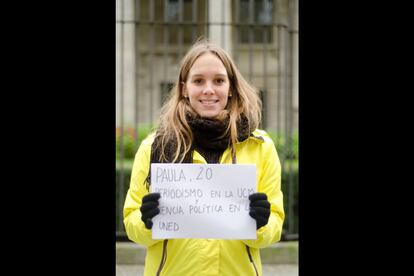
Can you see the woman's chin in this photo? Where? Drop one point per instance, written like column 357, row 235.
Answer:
column 211, row 114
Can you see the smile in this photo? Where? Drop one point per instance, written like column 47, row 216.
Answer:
column 209, row 102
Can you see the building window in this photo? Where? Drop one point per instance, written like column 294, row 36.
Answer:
column 173, row 11
column 255, row 21
column 172, row 21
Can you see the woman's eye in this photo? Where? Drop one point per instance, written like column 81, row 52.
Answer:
column 197, row 81
column 220, row 81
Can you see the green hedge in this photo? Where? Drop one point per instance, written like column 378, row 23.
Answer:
column 288, row 179
column 292, row 151
column 130, row 145
column 288, row 229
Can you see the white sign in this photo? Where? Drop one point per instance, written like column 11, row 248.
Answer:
column 209, row 201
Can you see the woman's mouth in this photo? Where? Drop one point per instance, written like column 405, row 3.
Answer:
column 209, row 102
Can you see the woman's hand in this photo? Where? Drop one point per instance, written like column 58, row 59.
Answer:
column 259, row 209
column 149, row 208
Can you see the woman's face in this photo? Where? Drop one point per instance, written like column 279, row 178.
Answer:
column 207, row 86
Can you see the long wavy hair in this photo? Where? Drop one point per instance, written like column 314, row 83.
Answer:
column 244, row 101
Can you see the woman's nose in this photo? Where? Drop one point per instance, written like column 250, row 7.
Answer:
column 208, row 89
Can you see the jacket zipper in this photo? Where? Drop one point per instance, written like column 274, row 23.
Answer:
column 163, row 258
column 251, row 260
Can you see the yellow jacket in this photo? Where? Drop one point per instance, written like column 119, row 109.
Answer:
column 209, row 256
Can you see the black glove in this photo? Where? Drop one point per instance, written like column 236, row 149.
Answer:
column 259, row 209
column 149, row 208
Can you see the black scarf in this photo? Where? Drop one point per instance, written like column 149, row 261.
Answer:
column 209, row 140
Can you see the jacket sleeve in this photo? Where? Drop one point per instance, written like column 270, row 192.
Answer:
column 270, row 183
column 134, row 226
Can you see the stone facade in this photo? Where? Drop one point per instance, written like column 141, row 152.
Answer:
column 141, row 79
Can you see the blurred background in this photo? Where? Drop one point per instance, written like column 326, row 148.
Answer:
column 151, row 38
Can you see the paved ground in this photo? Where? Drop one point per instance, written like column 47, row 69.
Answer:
column 268, row 270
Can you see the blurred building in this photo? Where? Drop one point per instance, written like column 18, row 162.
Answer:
column 152, row 37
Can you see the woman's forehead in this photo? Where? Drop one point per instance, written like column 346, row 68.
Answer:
column 208, row 63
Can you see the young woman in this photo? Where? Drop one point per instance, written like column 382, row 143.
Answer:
column 211, row 117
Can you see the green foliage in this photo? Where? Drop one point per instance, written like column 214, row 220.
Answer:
column 120, row 196
column 295, row 144
column 131, row 144
column 143, row 132
column 290, row 189
column 287, row 150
